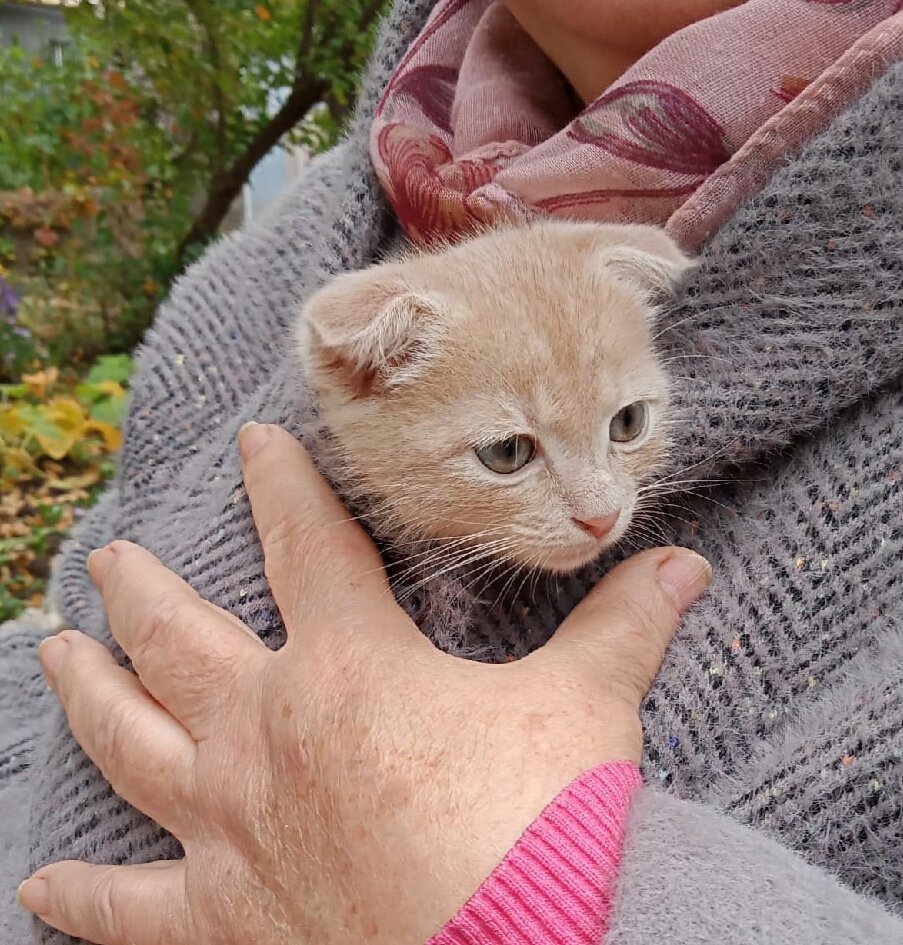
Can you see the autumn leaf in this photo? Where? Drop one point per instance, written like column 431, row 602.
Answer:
column 17, row 464
column 263, row 12
column 12, row 426
column 56, row 426
column 112, row 436
column 108, row 410
column 110, row 388
column 70, row 483
column 67, row 413
column 46, row 237
column 40, row 381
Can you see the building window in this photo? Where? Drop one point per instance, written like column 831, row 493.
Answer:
column 57, row 51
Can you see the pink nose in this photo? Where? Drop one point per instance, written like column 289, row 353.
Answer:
column 598, row 527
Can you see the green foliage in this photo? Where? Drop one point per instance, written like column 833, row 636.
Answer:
column 215, row 68
column 58, row 435
column 86, row 234
column 119, row 164
column 116, row 167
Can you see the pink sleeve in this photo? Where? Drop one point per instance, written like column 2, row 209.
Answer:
column 555, row 886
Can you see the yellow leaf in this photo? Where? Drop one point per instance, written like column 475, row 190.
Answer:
column 112, row 437
column 41, row 380
column 67, row 484
column 67, row 414
column 12, row 426
column 18, row 464
column 64, row 423
column 111, row 388
column 263, row 12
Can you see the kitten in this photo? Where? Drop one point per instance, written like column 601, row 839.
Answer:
column 503, row 394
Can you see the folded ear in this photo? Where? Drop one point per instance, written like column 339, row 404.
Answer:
column 369, row 331
column 645, row 256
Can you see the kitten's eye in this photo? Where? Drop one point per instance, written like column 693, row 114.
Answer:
column 629, row 422
column 507, row 456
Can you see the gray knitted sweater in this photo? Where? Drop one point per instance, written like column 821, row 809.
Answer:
column 774, row 733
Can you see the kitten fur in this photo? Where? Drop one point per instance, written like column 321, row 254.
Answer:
column 542, row 330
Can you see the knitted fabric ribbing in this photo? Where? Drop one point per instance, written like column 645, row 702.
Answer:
column 555, row 885
column 794, row 315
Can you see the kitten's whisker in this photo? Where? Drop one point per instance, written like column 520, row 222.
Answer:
column 531, row 565
column 674, row 484
column 705, row 495
column 674, row 325
column 443, row 557
column 689, row 523
column 438, row 548
column 695, row 357
column 702, row 462
column 438, row 545
column 461, row 562
column 511, row 578
column 484, row 574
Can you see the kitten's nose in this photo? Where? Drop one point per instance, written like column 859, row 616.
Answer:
column 598, row 527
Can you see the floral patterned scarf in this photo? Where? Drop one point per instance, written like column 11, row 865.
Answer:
column 476, row 124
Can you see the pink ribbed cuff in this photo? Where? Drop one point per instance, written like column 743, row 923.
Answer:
column 555, row 886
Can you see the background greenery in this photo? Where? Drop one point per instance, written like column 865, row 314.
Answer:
column 117, row 167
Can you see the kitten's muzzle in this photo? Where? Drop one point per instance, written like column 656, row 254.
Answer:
column 600, row 526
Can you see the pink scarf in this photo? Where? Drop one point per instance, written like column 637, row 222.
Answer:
column 477, row 125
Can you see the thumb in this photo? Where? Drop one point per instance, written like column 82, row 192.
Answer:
column 623, row 627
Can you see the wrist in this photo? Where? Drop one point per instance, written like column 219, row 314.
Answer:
column 556, row 883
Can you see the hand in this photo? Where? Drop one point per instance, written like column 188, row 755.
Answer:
column 358, row 784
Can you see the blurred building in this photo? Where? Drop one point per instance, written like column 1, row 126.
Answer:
column 34, row 24
column 39, row 25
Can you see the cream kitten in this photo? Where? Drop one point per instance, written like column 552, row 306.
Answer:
column 503, row 394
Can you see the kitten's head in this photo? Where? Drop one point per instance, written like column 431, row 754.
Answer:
column 503, row 394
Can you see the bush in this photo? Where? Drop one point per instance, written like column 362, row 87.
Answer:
column 119, row 164
column 58, row 436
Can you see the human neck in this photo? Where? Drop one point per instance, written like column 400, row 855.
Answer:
column 591, row 58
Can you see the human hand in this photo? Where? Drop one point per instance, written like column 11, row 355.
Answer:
column 356, row 785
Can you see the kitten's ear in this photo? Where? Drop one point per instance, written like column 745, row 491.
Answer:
column 645, row 256
column 368, row 331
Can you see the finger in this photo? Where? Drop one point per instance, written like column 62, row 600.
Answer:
column 190, row 655
column 112, row 905
column 622, row 629
column 319, row 561
column 145, row 754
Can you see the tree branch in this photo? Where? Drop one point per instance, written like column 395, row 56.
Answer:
column 227, row 185
column 305, row 44
column 306, row 91
column 220, row 104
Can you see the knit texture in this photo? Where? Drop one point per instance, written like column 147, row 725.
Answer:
column 778, row 703
column 24, row 700
column 555, row 886
column 671, row 891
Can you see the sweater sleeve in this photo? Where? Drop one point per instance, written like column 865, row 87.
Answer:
column 606, row 862
column 555, row 886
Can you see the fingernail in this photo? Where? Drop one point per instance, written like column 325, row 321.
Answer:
column 99, row 562
column 34, row 895
column 251, row 437
column 683, row 577
column 52, row 653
